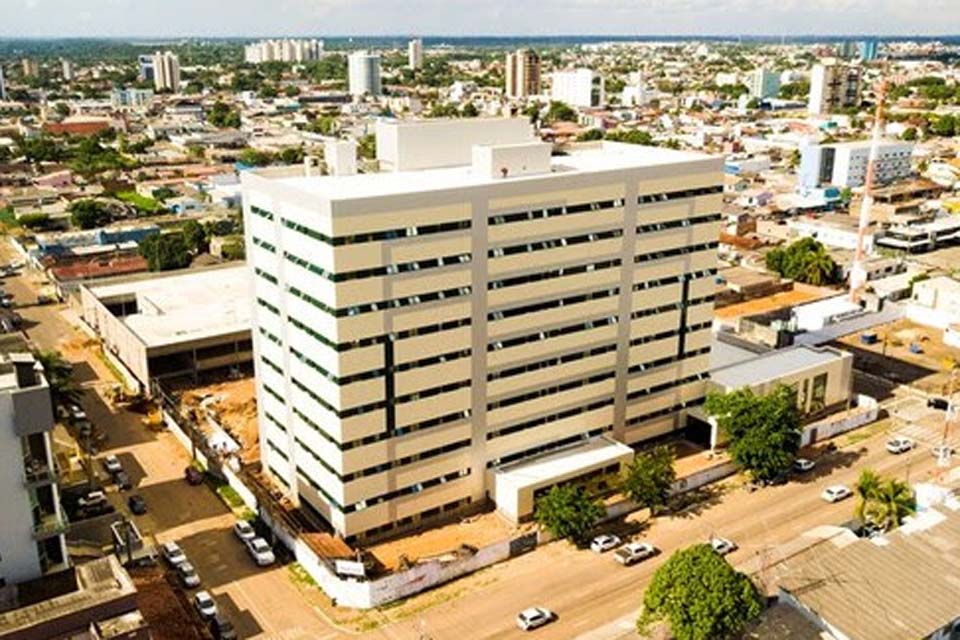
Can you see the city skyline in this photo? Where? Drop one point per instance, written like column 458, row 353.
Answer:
column 123, row 18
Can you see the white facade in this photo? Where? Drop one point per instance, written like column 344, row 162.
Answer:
column 417, row 330
column 634, row 94
column 364, row 73
column 415, row 53
column 844, row 164
column 32, row 527
column 833, row 86
column 283, row 51
column 578, row 88
column 764, row 83
column 166, row 71
column 67, row 70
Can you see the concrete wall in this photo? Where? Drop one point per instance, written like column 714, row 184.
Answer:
column 117, row 337
column 864, row 413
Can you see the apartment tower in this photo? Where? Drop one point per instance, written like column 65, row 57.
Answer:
column 415, row 53
column 166, row 71
column 833, row 86
column 480, row 323
column 522, row 75
column 364, row 73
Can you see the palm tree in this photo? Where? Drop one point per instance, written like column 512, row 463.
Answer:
column 894, row 500
column 819, row 268
column 866, row 488
column 59, row 374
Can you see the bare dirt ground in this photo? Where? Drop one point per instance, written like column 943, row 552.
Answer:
column 235, row 410
column 163, row 608
column 799, row 295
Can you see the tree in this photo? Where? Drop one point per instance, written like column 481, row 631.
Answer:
column 567, row 511
column 34, row 221
column 223, row 116
column 89, row 214
column 633, row 136
column 560, row 112
column 909, row 134
column 865, row 489
column 883, row 502
column 165, row 251
column 59, row 375
column 806, row 260
column 763, row 431
column 195, row 236
column 255, row 158
column 700, row 595
column 590, row 134
column 650, row 477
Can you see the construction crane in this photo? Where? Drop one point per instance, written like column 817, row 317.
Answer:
column 858, row 274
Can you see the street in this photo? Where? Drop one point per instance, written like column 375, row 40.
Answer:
column 588, row 591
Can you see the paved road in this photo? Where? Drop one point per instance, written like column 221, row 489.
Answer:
column 594, row 597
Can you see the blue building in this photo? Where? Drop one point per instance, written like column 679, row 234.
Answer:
column 869, row 49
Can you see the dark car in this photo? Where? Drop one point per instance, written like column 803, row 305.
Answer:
column 123, row 480
column 138, row 506
column 222, row 629
column 193, row 476
column 938, row 403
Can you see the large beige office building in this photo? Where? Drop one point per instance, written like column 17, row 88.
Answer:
column 429, row 339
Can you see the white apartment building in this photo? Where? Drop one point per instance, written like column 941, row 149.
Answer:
column 33, row 524
column 764, row 83
column 66, row 68
column 634, row 94
column 844, row 164
column 166, row 71
column 833, row 85
column 3, row 86
column 364, row 73
column 415, row 53
column 431, row 339
column 578, row 88
column 522, row 74
column 283, row 51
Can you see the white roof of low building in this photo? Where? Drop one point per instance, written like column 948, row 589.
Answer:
column 564, row 463
column 186, row 306
column 773, row 366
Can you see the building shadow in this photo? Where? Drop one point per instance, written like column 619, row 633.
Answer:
column 691, row 504
column 827, row 463
column 174, row 503
column 885, row 366
column 220, row 558
column 243, row 621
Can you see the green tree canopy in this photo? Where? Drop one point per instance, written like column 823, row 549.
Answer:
column 223, row 116
column 650, row 477
column 89, row 214
column 806, row 260
column 165, row 251
column 763, row 431
column 701, row 596
column 567, row 511
column 884, row 502
column 560, row 112
column 631, row 136
column 195, row 236
column 59, row 375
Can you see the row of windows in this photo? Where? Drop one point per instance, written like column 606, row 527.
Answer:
column 605, row 321
column 677, row 251
column 546, row 447
column 552, row 362
column 554, row 212
column 677, row 195
column 679, row 222
column 552, row 304
column 547, row 419
column 380, row 404
column 666, row 411
column 530, row 247
column 653, row 364
column 377, row 373
column 673, row 306
column 391, row 495
column 266, row 276
column 639, row 393
column 394, row 303
column 380, row 339
column 683, row 277
column 377, row 236
column 549, row 391
column 373, row 272
column 264, row 245
column 552, row 274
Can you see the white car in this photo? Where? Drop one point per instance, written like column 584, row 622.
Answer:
column 722, row 545
column 260, row 551
column 836, row 493
column 604, row 543
column 634, row 552
column 172, row 553
column 204, row 604
column 803, row 465
column 92, row 498
column 534, row 617
column 112, row 464
column 188, row 575
column 244, row 530
column 899, row 445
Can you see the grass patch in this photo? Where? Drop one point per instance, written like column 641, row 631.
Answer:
column 147, row 205
column 113, row 369
column 8, row 218
column 300, row 577
column 229, row 495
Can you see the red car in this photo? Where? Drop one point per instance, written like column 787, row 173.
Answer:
column 193, row 476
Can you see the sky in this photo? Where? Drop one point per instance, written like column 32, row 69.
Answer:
column 249, row 18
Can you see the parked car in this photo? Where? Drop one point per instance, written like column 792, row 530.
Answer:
column 244, row 530
column 193, row 476
column 899, row 445
column 221, row 628
column 172, row 553
column 604, row 543
column 938, row 403
column 138, row 506
column 533, row 618
column 91, row 498
column 803, row 465
column 836, row 493
column 122, row 478
column 204, row 604
column 722, row 546
column 942, row 451
column 634, row 552
column 187, row 575
column 77, row 414
column 112, row 464
column 260, row 551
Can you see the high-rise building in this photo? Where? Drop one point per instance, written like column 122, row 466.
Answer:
column 33, row 523
column 434, row 338
column 283, row 51
column 633, row 94
column 3, row 86
column 166, row 71
column 66, row 68
column 137, row 99
column 869, row 49
column 578, row 88
column 833, row 86
column 522, row 76
column 364, row 73
column 844, row 164
column 764, row 83
column 415, row 53
column 30, row 67
column 847, row 49
column 145, row 64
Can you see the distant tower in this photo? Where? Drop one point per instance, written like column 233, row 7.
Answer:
column 522, row 74
column 166, row 72
column 67, row 70
column 3, row 86
column 415, row 53
column 833, row 85
column 30, row 68
column 364, row 73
